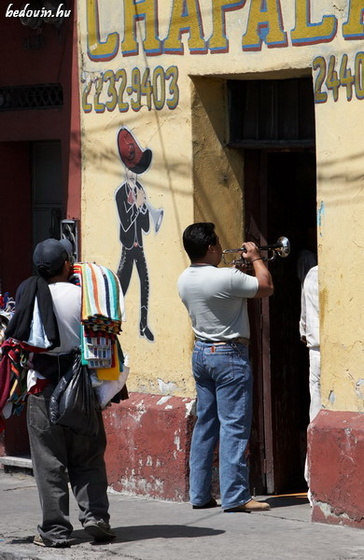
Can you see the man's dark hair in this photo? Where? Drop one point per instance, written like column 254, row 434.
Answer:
column 197, row 238
column 45, row 273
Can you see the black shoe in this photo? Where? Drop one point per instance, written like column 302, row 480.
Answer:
column 99, row 530
column 62, row 543
column 145, row 331
column 210, row 504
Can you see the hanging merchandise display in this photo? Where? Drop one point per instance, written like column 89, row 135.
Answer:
column 101, row 317
column 101, row 355
column 7, row 308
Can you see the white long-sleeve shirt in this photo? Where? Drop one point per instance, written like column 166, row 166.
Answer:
column 310, row 316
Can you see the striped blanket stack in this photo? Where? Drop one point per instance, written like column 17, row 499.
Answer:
column 102, row 313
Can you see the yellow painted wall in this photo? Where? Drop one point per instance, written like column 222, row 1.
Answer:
column 191, row 48
column 341, row 245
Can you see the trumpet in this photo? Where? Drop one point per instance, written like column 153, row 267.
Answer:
column 281, row 248
column 157, row 215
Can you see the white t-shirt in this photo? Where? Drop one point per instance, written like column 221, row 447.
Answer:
column 216, row 300
column 67, row 308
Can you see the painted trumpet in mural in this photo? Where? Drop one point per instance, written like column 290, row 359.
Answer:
column 281, row 248
column 156, row 214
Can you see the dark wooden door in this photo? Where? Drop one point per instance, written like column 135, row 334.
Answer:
column 280, row 199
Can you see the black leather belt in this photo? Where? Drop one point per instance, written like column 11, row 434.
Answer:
column 239, row 340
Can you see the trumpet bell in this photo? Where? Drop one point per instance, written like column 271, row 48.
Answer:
column 157, row 216
column 285, row 247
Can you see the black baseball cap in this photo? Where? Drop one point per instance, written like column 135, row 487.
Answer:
column 50, row 255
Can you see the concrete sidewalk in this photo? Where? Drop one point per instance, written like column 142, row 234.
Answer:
column 154, row 530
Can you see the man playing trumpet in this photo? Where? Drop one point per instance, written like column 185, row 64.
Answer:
column 216, row 300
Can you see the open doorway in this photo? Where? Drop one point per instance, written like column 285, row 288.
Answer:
column 273, row 122
column 33, row 171
column 280, row 200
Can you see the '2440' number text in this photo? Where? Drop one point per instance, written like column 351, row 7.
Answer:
column 333, row 79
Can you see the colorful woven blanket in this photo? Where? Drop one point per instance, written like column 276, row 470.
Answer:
column 101, row 314
column 102, row 298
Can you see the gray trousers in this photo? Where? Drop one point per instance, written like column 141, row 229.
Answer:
column 58, row 455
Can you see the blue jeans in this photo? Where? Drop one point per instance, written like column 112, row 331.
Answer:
column 224, row 385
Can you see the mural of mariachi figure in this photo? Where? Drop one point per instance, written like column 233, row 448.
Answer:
column 134, row 212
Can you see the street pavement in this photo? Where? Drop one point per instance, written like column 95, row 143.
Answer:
column 150, row 529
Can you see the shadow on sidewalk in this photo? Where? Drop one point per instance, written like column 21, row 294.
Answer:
column 287, row 500
column 138, row 533
column 144, row 532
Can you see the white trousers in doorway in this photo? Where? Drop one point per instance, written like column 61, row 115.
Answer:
column 315, row 393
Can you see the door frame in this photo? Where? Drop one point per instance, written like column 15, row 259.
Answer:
column 262, row 469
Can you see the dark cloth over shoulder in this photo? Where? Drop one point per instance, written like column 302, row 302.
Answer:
column 13, row 377
column 20, row 324
column 53, row 367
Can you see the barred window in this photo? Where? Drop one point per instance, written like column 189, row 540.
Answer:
column 271, row 113
column 40, row 96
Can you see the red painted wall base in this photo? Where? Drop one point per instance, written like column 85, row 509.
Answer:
column 336, row 459
column 148, row 445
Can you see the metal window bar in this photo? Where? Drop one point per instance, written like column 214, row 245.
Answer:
column 271, row 113
column 69, row 230
column 40, row 96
